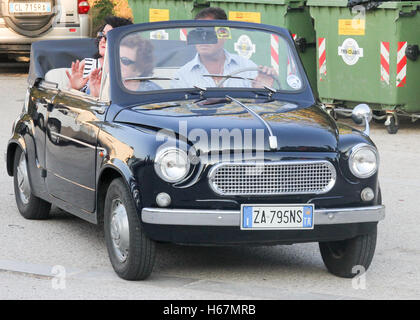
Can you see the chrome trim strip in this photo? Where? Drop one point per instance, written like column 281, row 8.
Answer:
column 53, row 133
column 75, row 183
column 232, row 218
column 213, row 170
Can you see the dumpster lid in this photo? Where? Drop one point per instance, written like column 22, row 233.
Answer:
column 283, row 2
column 328, row 3
column 383, row 4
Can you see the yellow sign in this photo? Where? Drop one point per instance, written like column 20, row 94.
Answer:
column 158, row 15
column 245, row 16
column 351, row 27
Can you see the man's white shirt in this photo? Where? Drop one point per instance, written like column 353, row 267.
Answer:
column 191, row 74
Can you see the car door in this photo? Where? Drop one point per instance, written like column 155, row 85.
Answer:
column 70, row 153
column 38, row 98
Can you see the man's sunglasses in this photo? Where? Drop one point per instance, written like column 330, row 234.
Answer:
column 127, row 62
column 101, row 35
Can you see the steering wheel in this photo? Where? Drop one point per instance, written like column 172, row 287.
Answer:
column 245, row 70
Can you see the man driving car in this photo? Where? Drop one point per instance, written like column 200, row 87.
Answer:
column 212, row 62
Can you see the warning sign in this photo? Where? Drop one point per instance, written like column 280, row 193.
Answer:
column 351, row 27
column 158, row 15
column 245, row 16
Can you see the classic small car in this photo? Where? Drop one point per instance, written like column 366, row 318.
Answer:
column 204, row 132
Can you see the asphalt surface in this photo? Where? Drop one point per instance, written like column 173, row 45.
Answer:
column 32, row 252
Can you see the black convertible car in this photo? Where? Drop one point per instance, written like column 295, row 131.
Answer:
column 204, row 132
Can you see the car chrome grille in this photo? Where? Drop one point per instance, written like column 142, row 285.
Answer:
column 286, row 177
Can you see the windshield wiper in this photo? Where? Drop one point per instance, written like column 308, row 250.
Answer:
column 227, row 76
column 149, row 78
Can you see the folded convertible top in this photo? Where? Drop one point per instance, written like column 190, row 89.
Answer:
column 52, row 54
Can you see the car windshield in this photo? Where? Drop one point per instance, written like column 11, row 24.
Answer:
column 207, row 57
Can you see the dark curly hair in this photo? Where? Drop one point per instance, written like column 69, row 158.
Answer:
column 114, row 22
column 144, row 53
column 212, row 12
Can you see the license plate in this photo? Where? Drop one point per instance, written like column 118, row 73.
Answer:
column 30, row 7
column 277, row 217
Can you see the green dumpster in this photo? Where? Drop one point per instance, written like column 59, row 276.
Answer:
column 164, row 10
column 369, row 54
column 290, row 14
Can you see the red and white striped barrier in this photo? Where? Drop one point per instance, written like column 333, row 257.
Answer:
column 401, row 64
column 322, row 57
column 275, row 53
column 385, row 62
column 183, row 34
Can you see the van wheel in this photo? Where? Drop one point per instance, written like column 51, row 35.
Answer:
column 340, row 257
column 29, row 206
column 131, row 252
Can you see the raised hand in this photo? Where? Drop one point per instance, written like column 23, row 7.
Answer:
column 76, row 80
column 95, row 82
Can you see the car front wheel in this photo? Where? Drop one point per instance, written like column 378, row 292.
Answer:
column 344, row 258
column 30, row 207
column 131, row 252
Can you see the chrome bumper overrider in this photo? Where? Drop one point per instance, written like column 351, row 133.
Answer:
column 231, row 218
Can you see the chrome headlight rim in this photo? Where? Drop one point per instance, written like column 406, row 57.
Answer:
column 353, row 151
column 158, row 164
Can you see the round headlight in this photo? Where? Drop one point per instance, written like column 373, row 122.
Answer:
column 172, row 164
column 363, row 160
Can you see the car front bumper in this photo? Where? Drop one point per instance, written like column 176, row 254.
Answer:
column 232, row 218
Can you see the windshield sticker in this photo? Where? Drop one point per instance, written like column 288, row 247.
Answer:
column 158, row 15
column 223, row 32
column 350, row 51
column 159, row 35
column 294, row 82
column 244, row 47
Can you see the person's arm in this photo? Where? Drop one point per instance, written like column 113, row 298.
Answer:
column 76, row 80
column 265, row 77
column 95, row 82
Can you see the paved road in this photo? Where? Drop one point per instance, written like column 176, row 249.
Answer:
column 29, row 250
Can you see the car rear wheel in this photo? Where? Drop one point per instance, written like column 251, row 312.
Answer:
column 30, row 207
column 131, row 252
column 341, row 257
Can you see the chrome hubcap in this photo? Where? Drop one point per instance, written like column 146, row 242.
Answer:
column 120, row 233
column 22, row 180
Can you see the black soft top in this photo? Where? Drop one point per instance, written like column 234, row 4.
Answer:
column 52, row 54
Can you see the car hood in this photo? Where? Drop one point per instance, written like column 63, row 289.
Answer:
column 297, row 128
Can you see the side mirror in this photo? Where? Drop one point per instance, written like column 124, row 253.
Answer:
column 362, row 114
